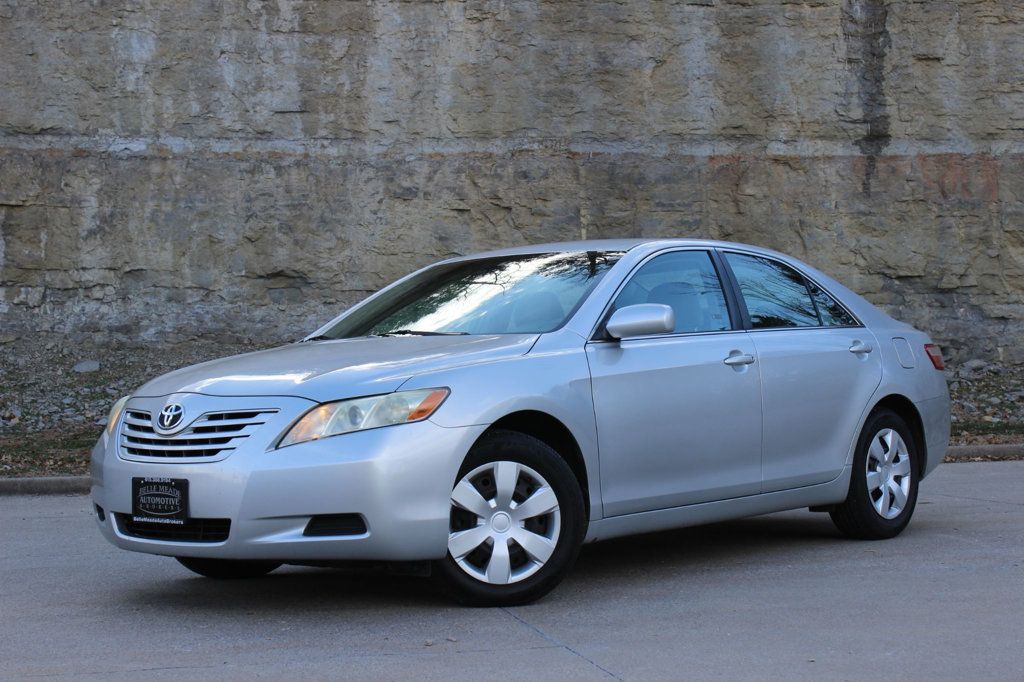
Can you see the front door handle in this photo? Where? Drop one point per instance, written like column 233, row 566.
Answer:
column 739, row 359
column 860, row 348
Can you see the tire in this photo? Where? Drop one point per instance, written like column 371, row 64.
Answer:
column 479, row 573
column 865, row 515
column 227, row 569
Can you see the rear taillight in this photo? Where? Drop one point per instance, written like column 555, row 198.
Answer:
column 935, row 355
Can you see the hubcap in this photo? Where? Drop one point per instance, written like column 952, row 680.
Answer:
column 888, row 473
column 504, row 524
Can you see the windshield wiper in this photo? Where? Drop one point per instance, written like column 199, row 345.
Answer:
column 322, row 337
column 419, row 332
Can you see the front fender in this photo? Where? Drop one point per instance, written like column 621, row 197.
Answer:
column 554, row 378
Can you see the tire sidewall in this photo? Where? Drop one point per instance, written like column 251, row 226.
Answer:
column 883, row 419
column 523, row 449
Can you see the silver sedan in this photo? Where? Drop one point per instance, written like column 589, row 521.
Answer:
column 485, row 416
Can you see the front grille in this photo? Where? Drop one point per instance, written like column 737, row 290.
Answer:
column 208, row 436
column 193, row 530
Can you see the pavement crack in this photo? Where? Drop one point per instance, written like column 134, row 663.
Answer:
column 561, row 644
column 978, row 499
column 78, row 673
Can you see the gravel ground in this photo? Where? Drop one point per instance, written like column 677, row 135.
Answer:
column 988, row 403
column 55, row 395
column 59, row 385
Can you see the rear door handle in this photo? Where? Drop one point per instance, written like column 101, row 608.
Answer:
column 860, row 348
column 739, row 359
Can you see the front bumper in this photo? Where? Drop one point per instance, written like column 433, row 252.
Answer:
column 398, row 478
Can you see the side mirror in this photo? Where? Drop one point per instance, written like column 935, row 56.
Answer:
column 642, row 319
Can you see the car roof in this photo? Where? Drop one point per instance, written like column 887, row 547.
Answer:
column 642, row 247
column 615, row 245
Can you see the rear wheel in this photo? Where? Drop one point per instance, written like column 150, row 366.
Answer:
column 516, row 524
column 883, row 485
column 227, row 569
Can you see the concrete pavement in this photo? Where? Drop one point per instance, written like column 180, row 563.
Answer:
column 772, row 597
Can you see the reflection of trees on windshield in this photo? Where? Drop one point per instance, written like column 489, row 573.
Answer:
column 487, row 296
column 775, row 294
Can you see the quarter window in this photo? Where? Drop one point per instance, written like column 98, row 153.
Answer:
column 776, row 295
column 687, row 282
column 832, row 314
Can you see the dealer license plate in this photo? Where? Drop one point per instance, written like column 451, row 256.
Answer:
column 160, row 500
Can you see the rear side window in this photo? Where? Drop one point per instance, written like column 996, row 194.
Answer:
column 687, row 282
column 776, row 295
column 832, row 314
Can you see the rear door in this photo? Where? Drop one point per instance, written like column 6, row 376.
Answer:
column 677, row 424
column 818, row 369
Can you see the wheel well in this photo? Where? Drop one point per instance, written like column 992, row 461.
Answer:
column 902, row 406
column 555, row 435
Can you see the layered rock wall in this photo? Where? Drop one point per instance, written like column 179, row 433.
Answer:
column 243, row 170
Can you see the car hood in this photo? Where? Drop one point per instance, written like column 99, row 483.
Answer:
column 331, row 370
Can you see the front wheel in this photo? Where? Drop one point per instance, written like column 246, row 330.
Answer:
column 516, row 524
column 883, row 485
column 227, row 569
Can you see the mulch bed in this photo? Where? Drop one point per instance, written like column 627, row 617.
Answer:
column 55, row 452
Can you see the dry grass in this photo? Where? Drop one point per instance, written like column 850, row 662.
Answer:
column 57, row 452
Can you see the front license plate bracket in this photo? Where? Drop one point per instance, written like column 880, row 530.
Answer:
column 160, row 500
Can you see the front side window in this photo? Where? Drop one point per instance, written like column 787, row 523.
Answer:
column 525, row 294
column 687, row 282
column 776, row 294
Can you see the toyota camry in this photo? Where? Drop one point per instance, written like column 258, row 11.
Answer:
column 487, row 415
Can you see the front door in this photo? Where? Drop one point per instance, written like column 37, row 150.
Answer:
column 676, row 424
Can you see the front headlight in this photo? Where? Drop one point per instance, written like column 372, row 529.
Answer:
column 359, row 414
column 115, row 413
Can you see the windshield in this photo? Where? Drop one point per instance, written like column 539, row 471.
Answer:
column 527, row 294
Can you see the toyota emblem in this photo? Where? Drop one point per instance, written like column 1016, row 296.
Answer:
column 171, row 416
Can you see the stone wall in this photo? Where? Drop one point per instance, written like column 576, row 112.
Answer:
column 172, row 169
